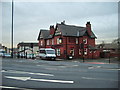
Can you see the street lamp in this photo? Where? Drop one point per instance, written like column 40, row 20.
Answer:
column 12, row 32
column 82, row 47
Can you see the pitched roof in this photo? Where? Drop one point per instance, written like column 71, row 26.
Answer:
column 27, row 44
column 71, row 30
column 66, row 30
column 43, row 34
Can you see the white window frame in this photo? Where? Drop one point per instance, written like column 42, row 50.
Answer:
column 85, row 40
column 73, row 52
column 48, row 42
column 58, row 52
column 80, row 52
column 41, row 43
column 76, row 40
column 57, row 40
column 85, row 51
column 52, row 41
column 90, row 51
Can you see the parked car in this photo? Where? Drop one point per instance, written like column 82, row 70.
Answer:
column 7, row 55
column 2, row 53
column 31, row 56
column 47, row 53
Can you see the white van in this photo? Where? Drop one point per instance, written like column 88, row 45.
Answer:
column 47, row 53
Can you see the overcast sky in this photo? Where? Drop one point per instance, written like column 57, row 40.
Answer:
column 30, row 17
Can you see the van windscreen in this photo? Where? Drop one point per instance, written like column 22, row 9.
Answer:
column 50, row 51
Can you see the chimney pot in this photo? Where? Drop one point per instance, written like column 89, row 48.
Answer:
column 88, row 22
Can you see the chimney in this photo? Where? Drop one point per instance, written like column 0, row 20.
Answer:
column 88, row 26
column 63, row 23
column 52, row 30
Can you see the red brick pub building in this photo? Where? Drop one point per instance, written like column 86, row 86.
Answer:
column 69, row 40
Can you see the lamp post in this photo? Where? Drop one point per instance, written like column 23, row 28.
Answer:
column 31, row 45
column 83, row 50
column 12, row 32
column 118, row 49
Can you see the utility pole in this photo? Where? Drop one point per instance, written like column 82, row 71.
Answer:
column 12, row 32
column 83, row 51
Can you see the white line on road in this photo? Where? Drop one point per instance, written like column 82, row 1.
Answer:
column 98, row 78
column 92, row 67
column 44, row 80
column 113, row 69
column 57, row 81
column 18, row 78
column 22, row 72
column 10, row 87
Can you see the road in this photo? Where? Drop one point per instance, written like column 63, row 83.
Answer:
column 31, row 74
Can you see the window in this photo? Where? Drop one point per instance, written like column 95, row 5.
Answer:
column 85, row 51
column 50, row 51
column 58, row 52
column 47, row 42
column 80, row 52
column 52, row 41
column 59, row 40
column 90, row 51
column 42, row 51
column 85, row 41
column 41, row 43
column 76, row 40
column 72, row 52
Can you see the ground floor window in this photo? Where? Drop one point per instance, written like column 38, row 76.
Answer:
column 80, row 52
column 72, row 52
column 85, row 51
column 58, row 52
column 90, row 51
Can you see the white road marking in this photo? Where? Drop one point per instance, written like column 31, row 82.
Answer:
column 18, row 78
column 91, row 67
column 15, row 88
column 57, row 81
column 98, row 78
column 114, row 69
column 22, row 72
column 44, row 80
column 68, row 66
column 51, row 68
column 88, row 78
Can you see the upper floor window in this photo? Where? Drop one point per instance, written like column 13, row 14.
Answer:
column 52, row 41
column 41, row 43
column 59, row 40
column 85, row 41
column 47, row 42
column 76, row 40
column 80, row 52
